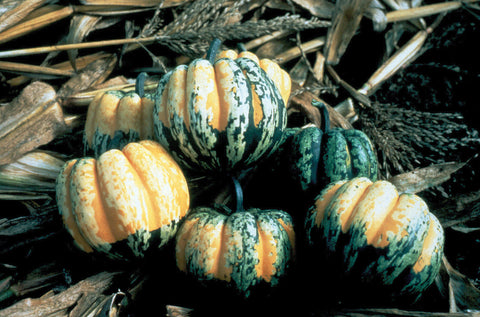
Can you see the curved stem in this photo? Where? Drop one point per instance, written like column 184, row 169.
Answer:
column 213, row 50
column 140, row 84
column 325, row 115
column 241, row 47
column 238, row 194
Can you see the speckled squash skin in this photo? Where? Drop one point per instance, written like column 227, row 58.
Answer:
column 374, row 237
column 244, row 249
column 319, row 157
column 223, row 116
column 116, row 118
column 125, row 202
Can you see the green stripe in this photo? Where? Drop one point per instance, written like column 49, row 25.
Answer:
column 335, row 156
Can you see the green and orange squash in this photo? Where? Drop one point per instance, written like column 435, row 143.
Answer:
column 222, row 113
column 318, row 157
column 116, row 118
column 241, row 250
column 124, row 203
column 369, row 236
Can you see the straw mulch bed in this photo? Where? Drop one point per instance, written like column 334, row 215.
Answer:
column 404, row 72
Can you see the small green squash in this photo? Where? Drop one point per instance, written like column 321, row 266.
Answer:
column 125, row 202
column 222, row 113
column 370, row 237
column 116, row 118
column 322, row 156
column 245, row 250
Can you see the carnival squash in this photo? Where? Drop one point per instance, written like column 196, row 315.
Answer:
column 223, row 112
column 370, row 236
column 321, row 156
column 125, row 202
column 244, row 250
column 116, row 118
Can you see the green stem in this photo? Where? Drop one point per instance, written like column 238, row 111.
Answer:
column 325, row 114
column 238, row 195
column 140, row 84
column 213, row 50
column 241, row 47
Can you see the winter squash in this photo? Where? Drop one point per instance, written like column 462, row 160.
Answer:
column 321, row 156
column 116, row 118
column 125, row 202
column 243, row 250
column 371, row 236
column 223, row 112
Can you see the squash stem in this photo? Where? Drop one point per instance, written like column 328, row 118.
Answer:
column 325, row 115
column 238, row 194
column 241, row 47
column 213, row 50
column 140, row 84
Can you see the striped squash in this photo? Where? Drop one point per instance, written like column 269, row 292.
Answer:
column 116, row 118
column 222, row 115
column 322, row 156
column 371, row 236
column 125, row 202
column 244, row 250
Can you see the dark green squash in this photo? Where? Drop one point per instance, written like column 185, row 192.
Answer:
column 369, row 237
column 321, row 156
column 222, row 114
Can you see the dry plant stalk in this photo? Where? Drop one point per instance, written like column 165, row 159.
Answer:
column 34, row 24
column 423, row 11
column 33, row 69
column 405, row 55
column 17, row 14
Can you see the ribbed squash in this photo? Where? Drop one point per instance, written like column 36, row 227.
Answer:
column 243, row 249
column 125, row 202
column 322, row 156
column 116, row 118
column 222, row 115
column 372, row 237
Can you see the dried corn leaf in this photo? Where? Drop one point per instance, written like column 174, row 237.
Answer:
column 463, row 294
column 34, row 24
column 18, row 13
column 66, row 67
column 34, row 172
column 109, row 10
column 32, row 119
column 39, row 72
column 301, row 100
column 405, row 55
column 136, row 3
column 94, row 285
column 423, row 11
column 178, row 311
column 294, row 52
column 322, row 8
column 424, row 178
column 93, row 74
column 80, row 27
column 347, row 17
column 83, row 99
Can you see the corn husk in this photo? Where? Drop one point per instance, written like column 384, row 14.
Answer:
column 31, row 176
